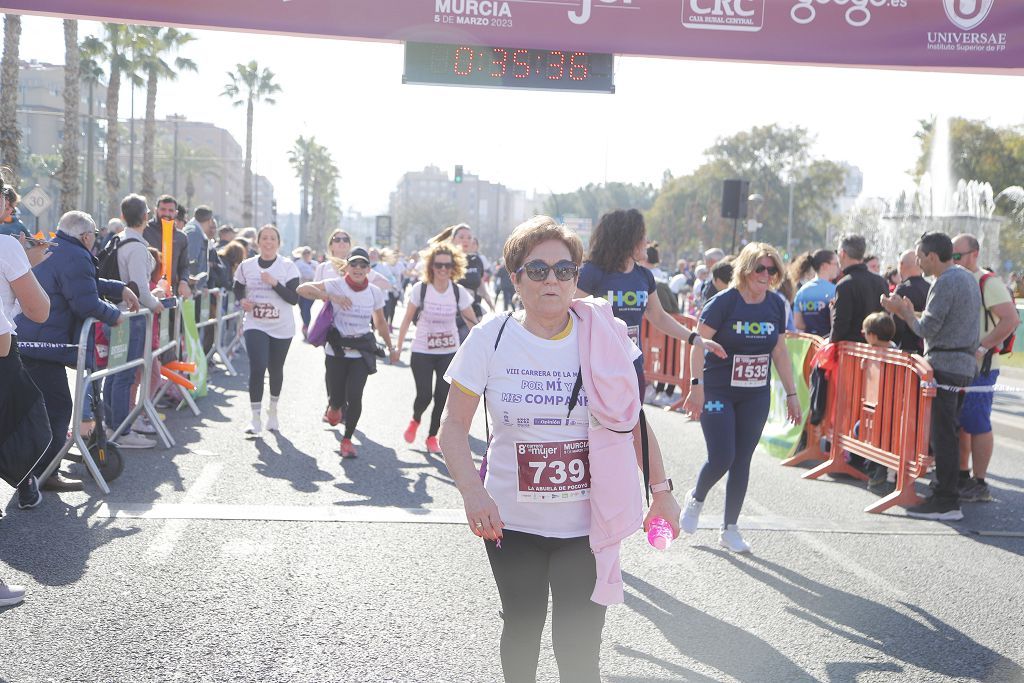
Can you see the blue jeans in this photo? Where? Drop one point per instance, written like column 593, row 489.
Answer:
column 117, row 388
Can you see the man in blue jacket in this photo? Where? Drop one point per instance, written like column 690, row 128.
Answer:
column 68, row 276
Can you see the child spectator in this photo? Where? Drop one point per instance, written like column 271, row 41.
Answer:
column 879, row 330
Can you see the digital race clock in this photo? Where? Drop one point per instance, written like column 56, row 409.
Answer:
column 509, row 67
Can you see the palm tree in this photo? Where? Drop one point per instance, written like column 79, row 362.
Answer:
column 324, row 214
column 300, row 158
column 91, row 72
column 10, row 133
column 68, row 172
column 111, row 48
column 156, row 45
column 249, row 85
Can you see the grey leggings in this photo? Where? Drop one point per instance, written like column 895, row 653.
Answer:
column 266, row 355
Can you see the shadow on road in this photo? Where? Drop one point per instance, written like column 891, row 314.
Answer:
column 377, row 476
column 921, row 640
column 61, row 559
column 705, row 639
column 288, row 463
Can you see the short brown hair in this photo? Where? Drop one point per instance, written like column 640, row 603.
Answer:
column 539, row 229
column 743, row 265
column 428, row 255
column 881, row 325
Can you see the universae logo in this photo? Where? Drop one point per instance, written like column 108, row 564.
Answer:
column 967, row 14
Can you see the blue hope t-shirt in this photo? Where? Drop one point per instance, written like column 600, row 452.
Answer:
column 626, row 292
column 812, row 301
column 748, row 333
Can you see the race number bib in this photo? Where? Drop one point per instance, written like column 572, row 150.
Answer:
column 265, row 312
column 439, row 341
column 634, row 334
column 750, row 371
column 553, row 472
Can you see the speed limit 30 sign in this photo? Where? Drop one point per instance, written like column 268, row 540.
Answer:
column 36, row 201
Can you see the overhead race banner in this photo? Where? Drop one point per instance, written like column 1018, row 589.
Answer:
column 985, row 35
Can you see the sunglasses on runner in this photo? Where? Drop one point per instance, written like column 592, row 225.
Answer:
column 340, row 238
column 444, row 265
column 772, row 270
column 957, row 255
column 538, row 270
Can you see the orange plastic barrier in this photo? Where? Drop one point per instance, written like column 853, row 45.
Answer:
column 180, row 366
column 177, row 379
column 880, row 408
column 667, row 359
column 812, row 445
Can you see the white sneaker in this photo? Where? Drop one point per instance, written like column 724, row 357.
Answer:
column 133, row 440
column 272, row 425
column 663, row 399
column 254, row 427
column 11, row 595
column 730, row 538
column 690, row 518
column 143, row 425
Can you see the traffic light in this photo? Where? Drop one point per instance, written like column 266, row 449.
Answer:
column 458, row 173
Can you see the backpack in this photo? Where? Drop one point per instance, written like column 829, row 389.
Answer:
column 107, row 267
column 1007, row 345
column 423, row 298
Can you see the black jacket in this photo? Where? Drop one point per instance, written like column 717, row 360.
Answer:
column 916, row 289
column 858, row 295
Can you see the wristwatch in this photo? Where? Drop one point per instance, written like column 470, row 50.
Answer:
column 663, row 486
column 696, row 381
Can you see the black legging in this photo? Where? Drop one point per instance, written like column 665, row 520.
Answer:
column 524, row 567
column 424, row 365
column 266, row 354
column 346, row 379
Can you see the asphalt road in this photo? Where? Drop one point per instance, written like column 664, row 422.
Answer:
column 227, row 559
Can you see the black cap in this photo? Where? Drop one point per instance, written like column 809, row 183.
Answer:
column 358, row 253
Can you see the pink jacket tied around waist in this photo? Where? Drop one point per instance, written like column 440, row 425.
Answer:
column 613, row 399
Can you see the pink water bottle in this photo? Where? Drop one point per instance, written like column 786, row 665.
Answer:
column 659, row 533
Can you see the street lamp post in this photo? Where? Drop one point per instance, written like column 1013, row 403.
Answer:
column 789, row 223
column 176, row 118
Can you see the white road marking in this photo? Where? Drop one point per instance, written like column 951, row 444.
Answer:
column 162, row 546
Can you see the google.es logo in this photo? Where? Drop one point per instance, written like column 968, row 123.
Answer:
column 724, row 15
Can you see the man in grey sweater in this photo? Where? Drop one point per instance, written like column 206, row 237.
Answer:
column 949, row 327
column 135, row 265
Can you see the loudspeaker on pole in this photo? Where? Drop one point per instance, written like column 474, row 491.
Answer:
column 734, row 198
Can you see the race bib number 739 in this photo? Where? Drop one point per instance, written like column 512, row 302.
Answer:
column 553, row 471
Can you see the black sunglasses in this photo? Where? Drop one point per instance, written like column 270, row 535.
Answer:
column 340, row 238
column 447, row 264
column 772, row 270
column 538, row 270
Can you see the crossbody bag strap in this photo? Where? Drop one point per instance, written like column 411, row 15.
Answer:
column 487, row 421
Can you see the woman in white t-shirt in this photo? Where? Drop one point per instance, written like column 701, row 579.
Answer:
column 439, row 300
column 351, row 353
column 533, row 506
column 265, row 287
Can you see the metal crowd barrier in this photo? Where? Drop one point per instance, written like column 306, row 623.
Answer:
column 880, row 409
column 172, row 318
column 227, row 326
column 117, row 361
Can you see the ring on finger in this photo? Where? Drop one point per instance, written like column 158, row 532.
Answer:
column 479, row 525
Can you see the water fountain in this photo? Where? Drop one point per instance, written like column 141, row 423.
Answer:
column 935, row 203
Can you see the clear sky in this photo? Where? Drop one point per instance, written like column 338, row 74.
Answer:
column 664, row 114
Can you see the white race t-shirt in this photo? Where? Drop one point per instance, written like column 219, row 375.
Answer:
column 6, row 325
column 538, row 468
column 436, row 330
column 357, row 320
column 272, row 314
column 13, row 264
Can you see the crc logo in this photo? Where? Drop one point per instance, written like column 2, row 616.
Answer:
column 967, row 14
column 724, row 15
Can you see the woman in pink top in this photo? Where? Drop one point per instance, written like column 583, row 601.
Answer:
column 433, row 306
column 535, row 506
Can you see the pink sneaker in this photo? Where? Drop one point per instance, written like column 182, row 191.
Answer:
column 410, row 431
column 347, row 449
column 432, row 445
